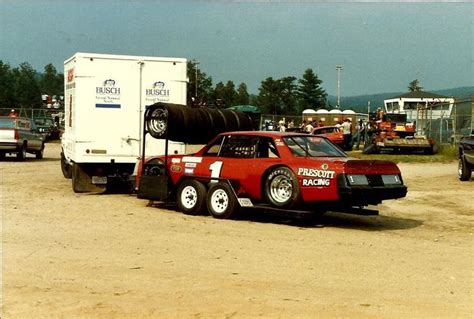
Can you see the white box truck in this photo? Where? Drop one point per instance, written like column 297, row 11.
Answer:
column 105, row 100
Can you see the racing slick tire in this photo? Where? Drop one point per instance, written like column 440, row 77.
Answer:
column 464, row 172
column 39, row 154
column 281, row 188
column 191, row 197
column 65, row 167
column 221, row 201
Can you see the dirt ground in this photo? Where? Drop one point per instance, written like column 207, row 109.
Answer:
column 69, row 255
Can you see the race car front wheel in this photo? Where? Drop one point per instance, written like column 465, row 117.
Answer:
column 221, row 201
column 281, row 188
column 191, row 197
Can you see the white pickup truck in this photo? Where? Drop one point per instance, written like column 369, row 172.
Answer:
column 19, row 135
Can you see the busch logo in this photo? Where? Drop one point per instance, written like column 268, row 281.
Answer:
column 108, row 88
column 158, row 90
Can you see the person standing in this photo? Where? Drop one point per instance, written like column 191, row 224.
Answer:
column 347, row 134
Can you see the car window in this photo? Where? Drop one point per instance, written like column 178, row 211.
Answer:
column 214, row 149
column 312, row 146
column 239, row 146
column 266, row 148
column 7, row 123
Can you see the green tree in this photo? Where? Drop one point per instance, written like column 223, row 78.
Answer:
column 230, row 94
column 51, row 82
column 414, row 86
column 269, row 96
column 288, row 95
column 7, row 86
column 242, row 97
column 27, row 89
column 310, row 93
column 200, row 85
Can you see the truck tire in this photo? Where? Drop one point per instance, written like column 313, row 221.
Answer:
column 21, row 155
column 65, row 167
column 39, row 154
column 82, row 182
column 191, row 197
column 464, row 171
column 281, row 188
column 221, row 201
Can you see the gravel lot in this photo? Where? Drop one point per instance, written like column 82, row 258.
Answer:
column 69, row 255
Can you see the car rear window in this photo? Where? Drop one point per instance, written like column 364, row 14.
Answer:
column 7, row 123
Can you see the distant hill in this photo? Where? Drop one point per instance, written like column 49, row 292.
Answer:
column 359, row 103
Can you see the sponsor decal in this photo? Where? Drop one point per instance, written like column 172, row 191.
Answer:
column 189, row 171
column 176, row 168
column 107, row 95
column 175, row 160
column 322, row 177
column 192, row 159
column 70, row 75
column 315, row 182
column 190, row 165
column 157, row 92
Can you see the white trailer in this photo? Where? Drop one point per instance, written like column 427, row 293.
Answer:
column 105, row 100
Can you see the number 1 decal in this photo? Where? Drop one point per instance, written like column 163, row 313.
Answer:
column 215, row 169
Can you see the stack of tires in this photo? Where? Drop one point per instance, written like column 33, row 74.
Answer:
column 181, row 123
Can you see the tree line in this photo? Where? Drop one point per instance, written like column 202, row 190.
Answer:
column 288, row 95
column 22, row 86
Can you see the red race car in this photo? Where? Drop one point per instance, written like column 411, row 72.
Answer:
column 333, row 133
column 285, row 172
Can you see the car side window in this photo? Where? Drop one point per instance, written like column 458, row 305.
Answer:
column 266, row 148
column 214, row 149
column 236, row 146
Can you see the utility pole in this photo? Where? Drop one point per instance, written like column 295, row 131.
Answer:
column 338, row 69
column 196, row 79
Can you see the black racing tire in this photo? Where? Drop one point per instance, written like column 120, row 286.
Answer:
column 221, row 201
column 191, row 197
column 39, row 154
column 21, row 154
column 281, row 188
column 65, row 167
column 464, row 172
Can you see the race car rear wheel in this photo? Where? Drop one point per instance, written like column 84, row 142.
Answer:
column 221, row 201
column 464, row 172
column 191, row 197
column 281, row 188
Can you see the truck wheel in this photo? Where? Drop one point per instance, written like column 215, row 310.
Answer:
column 221, row 201
column 21, row 155
column 464, row 172
column 65, row 167
column 191, row 197
column 281, row 188
column 39, row 154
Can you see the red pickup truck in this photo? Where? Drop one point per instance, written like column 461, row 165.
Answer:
column 19, row 135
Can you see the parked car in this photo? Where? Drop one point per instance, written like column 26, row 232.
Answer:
column 19, row 135
column 466, row 157
column 286, row 172
column 48, row 127
column 333, row 133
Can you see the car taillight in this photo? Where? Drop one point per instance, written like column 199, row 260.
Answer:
column 17, row 134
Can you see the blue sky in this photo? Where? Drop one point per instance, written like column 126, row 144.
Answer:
column 382, row 45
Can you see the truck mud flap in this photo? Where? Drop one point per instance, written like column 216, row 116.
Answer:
column 153, row 187
column 82, row 182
